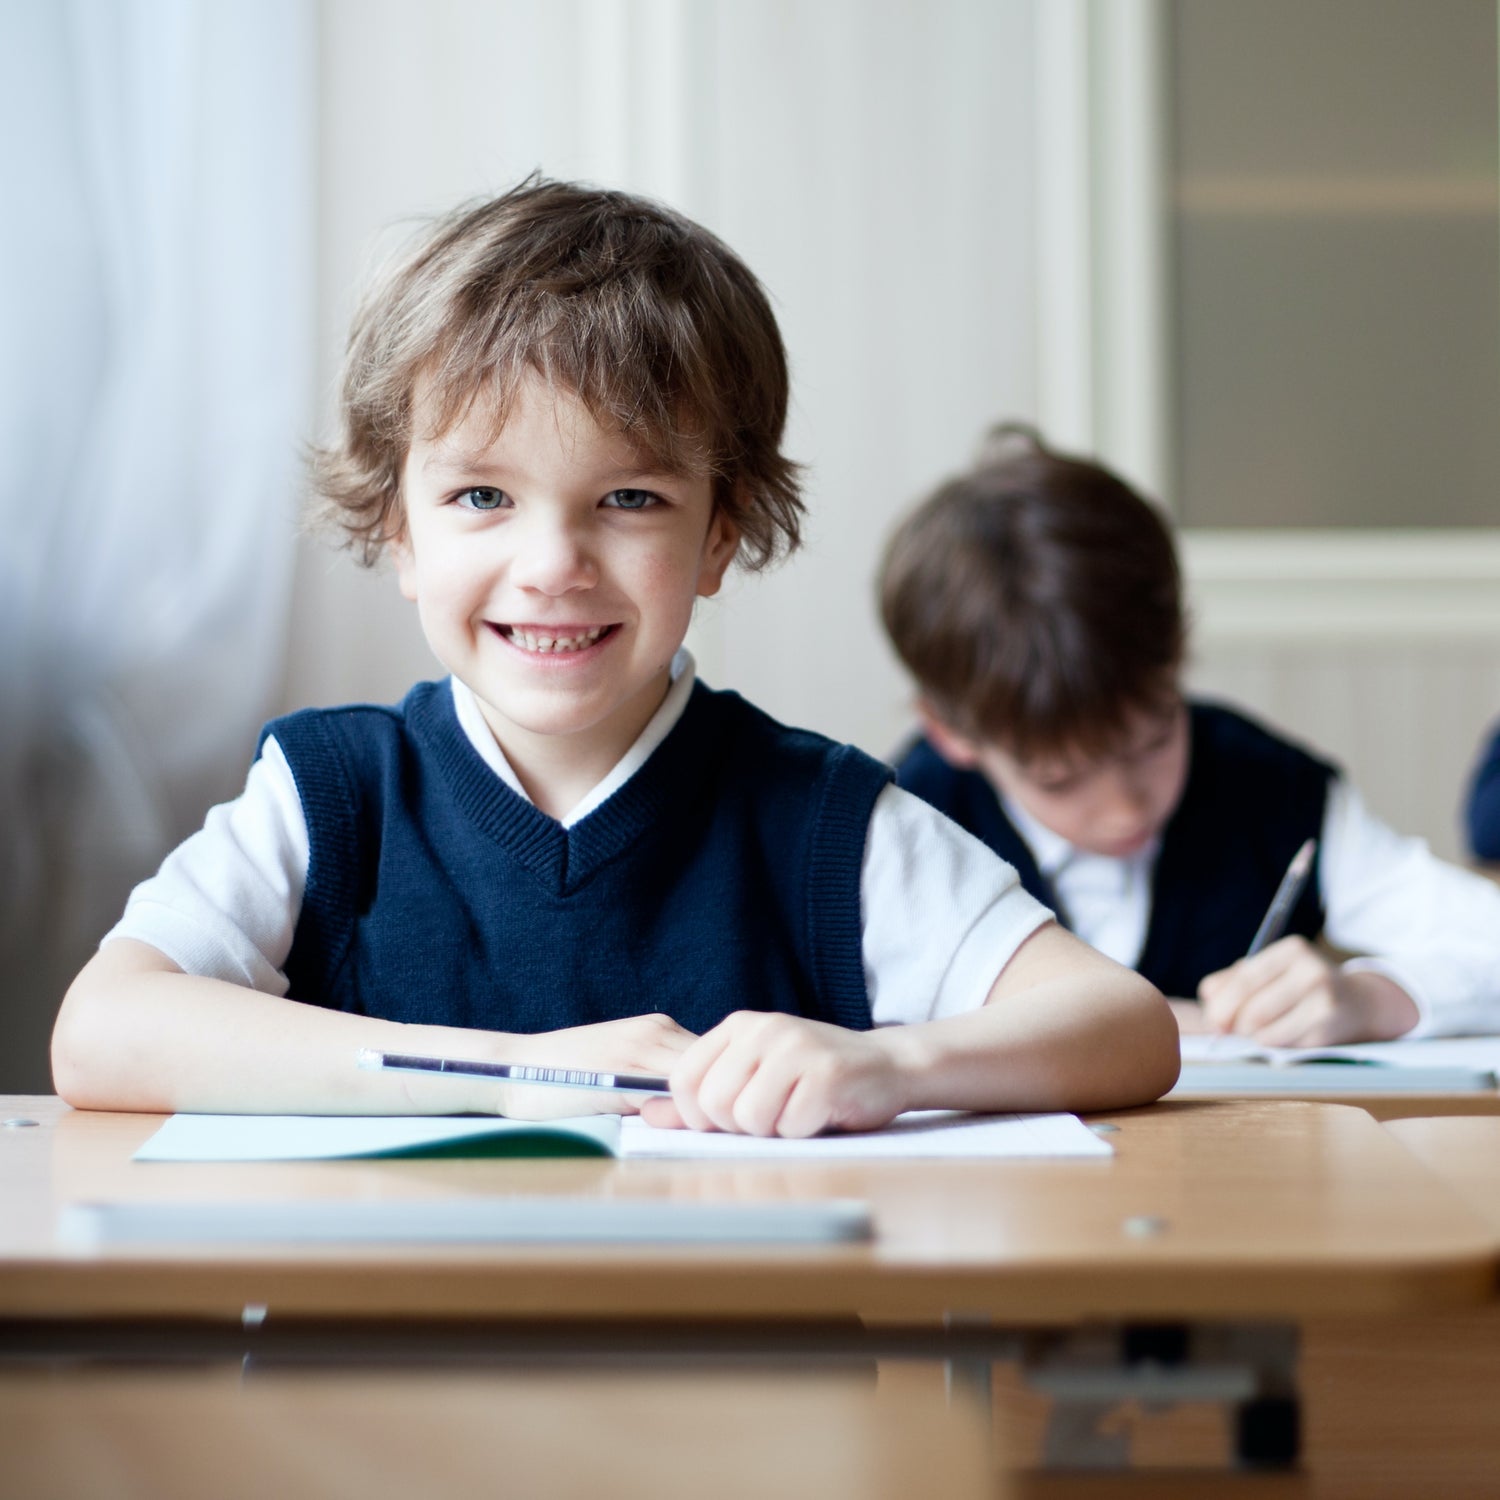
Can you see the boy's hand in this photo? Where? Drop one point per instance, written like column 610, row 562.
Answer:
column 637, row 1044
column 1290, row 995
column 764, row 1073
column 1189, row 1017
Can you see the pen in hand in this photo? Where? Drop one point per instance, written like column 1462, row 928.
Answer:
column 1273, row 924
column 1278, row 914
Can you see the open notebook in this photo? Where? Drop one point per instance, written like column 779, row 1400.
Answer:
column 1437, row 1065
column 323, row 1137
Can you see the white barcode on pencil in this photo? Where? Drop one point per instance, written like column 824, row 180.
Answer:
column 560, row 1075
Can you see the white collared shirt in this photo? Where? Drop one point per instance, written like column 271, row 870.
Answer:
column 1428, row 925
column 942, row 914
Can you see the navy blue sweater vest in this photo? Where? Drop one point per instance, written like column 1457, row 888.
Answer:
column 724, row 875
column 1250, row 801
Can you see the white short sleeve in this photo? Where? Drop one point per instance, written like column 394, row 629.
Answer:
column 1428, row 925
column 943, row 913
column 225, row 902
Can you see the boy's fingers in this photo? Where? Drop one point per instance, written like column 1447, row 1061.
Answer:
column 689, row 1071
column 724, row 1085
column 1305, row 976
column 1268, row 1005
column 1226, row 994
column 1222, row 994
column 763, row 1105
column 1190, row 1016
column 662, row 1112
column 807, row 1110
column 1307, row 1024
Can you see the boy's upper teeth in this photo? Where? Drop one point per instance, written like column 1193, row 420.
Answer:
column 544, row 640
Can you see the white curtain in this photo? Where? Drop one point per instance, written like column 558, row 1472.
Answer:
column 156, row 182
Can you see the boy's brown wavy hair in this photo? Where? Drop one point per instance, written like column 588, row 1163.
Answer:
column 650, row 320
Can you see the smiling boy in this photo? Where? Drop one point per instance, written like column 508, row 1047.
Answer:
column 562, row 415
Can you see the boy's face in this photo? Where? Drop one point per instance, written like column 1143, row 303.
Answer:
column 555, row 573
column 1110, row 804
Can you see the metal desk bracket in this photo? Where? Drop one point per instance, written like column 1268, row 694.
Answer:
column 1092, row 1372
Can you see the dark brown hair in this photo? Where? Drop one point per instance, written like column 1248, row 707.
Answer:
column 647, row 318
column 1036, row 600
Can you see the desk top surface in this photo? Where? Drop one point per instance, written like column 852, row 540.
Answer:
column 1222, row 1209
column 1464, row 1152
column 1390, row 1105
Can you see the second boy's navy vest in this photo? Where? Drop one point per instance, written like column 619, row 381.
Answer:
column 1251, row 800
column 723, row 876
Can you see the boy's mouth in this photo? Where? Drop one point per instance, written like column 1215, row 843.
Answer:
column 556, row 640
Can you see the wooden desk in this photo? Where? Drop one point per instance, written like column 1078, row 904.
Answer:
column 1208, row 1210
column 1186, row 1260
column 1464, row 1152
column 1429, row 1386
column 392, row 1435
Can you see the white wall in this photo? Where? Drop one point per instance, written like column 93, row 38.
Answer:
column 870, row 160
column 951, row 203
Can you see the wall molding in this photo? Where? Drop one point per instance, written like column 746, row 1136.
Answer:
column 1380, row 587
column 1104, row 327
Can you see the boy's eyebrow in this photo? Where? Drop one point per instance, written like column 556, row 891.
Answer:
column 445, row 460
column 452, row 460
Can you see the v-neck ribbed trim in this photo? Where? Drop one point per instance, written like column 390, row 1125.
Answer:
column 562, row 859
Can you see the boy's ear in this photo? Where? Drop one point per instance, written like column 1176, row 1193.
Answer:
column 719, row 549
column 955, row 748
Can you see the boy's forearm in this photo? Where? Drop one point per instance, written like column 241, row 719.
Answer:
column 133, row 1036
column 1103, row 1040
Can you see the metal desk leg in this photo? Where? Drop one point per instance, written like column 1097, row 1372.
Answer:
column 1092, row 1373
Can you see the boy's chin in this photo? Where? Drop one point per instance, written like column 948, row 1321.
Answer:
column 1124, row 848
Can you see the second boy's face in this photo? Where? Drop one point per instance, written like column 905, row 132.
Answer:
column 1111, row 804
column 555, row 573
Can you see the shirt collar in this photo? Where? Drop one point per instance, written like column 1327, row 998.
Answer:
column 1051, row 851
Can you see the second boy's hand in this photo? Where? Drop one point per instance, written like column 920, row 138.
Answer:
column 1288, row 892
column 1284, row 993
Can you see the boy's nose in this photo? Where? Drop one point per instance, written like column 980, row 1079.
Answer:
column 1125, row 803
column 552, row 558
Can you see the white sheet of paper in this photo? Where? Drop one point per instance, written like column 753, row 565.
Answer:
column 929, row 1133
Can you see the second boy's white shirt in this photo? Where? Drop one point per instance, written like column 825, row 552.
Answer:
column 942, row 914
column 1431, row 927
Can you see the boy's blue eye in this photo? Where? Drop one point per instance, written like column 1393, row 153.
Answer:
column 630, row 499
column 481, row 497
